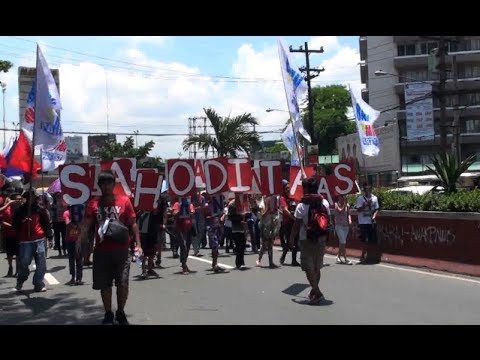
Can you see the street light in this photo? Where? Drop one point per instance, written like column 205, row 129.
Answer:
column 4, row 89
column 270, row 110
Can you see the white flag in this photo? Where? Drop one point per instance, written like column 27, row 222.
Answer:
column 295, row 86
column 48, row 129
column 289, row 142
column 53, row 157
column 365, row 116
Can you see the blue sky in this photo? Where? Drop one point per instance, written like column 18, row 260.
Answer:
column 155, row 83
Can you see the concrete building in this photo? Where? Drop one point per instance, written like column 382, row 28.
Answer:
column 404, row 59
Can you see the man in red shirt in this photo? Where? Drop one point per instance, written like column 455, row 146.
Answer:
column 111, row 257
column 183, row 211
column 31, row 227
column 11, row 241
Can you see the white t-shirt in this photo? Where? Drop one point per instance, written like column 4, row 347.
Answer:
column 365, row 216
column 301, row 212
column 227, row 222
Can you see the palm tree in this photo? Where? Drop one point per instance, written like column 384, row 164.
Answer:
column 448, row 170
column 232, row 135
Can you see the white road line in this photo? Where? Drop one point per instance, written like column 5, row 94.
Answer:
column 50, row 279
column 209, row 262
column 452, row 277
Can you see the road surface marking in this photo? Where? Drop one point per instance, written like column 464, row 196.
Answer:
column 50, row 279
column 453, row 277
column 209, row 262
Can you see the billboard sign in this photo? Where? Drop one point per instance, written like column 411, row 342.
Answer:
column 419, row 111
column 74, row 147
column 95, row 142
column 26, row 77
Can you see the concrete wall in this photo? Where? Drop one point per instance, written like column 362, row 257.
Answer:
column 434, row 235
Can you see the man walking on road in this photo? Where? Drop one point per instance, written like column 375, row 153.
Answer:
column 114, row 220
column 312, row 245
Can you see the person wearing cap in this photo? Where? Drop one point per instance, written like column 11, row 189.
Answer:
column 32, row 225
column 367, row 208
column 111, row 256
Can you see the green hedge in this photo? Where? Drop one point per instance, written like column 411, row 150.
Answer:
column 462, row 201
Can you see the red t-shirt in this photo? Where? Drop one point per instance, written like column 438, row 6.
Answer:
column 36, row 231
column 285, row 202
column 8, row 217
column 121, row 209
column 184, row 222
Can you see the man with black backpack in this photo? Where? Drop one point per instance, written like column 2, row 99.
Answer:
column 311, row 223
column 113, row 218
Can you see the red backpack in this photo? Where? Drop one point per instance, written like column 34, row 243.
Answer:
column 317, row 223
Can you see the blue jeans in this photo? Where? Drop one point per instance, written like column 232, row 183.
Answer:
column 26, row 251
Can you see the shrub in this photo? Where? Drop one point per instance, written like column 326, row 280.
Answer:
column 461, row 201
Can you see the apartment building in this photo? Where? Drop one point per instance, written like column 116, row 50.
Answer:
column 389, row 63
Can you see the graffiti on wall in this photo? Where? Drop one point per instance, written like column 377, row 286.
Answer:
column 398, row 235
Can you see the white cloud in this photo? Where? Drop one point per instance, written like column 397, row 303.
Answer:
column 150, row 40
column 160, row 97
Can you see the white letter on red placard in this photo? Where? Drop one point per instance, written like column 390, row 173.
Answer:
column 296, row 183
column 238, row 175
column 343, row 178
column 65, row 180
column 171, row 176
column 208, row 180
column 270, row 165
column 147, row 190
column 323, row 189
column 121, row 178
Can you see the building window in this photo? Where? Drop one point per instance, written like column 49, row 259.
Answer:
column 473, row 126
column 410, row 49
column 401, row 50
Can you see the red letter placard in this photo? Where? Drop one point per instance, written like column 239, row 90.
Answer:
column 216, row 175
column 341, row 181
column 75, row 179
column 271, row 175
column 345, row 178
column 181, row 177
column 148, row 189
column 239, row 175
column 122, row 169
column 296, row 190
column 199, row 167
column 256, row 178
column 94, row 171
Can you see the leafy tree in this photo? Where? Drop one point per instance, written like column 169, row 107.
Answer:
column 5, row 65
column 232, row 135
column 128, row 150
column 330, row 105
column 278, row 147
column 448, row 169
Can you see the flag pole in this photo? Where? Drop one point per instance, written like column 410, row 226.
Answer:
column 292, row 123
column 29, row 206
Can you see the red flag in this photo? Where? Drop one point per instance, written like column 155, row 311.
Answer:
column 21, row 156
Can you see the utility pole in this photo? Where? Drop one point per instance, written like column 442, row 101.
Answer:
column 192, row 131
column 309, row 75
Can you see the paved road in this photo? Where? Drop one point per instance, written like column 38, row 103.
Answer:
column 358, row 294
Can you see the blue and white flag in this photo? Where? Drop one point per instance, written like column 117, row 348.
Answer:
column 43, row 113
column 43, row 108
column 295, row 86
column 365, row 116
column 289, row 142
